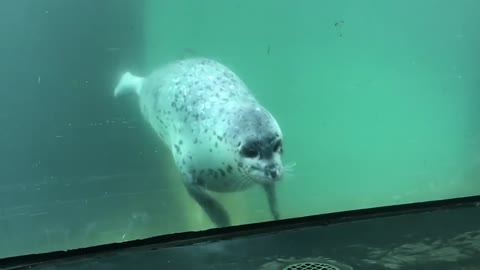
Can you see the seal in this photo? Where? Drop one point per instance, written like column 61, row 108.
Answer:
column 221, row 138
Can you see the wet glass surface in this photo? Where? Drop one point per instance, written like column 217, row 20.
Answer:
column 378, row 102
column 443, row 239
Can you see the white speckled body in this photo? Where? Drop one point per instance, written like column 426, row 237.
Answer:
column 191, row 104
column 204, row 113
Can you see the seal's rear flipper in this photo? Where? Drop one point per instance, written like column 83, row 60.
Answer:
column 129, row 83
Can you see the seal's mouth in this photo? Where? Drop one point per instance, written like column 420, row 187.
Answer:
column 273, row 173
column 269, row 173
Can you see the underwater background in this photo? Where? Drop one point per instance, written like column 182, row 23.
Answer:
column 378, row 102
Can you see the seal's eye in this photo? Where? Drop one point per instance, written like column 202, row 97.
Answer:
column 249, row 152
column 277, row 147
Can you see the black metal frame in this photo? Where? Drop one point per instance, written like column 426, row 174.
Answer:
column 218, row 234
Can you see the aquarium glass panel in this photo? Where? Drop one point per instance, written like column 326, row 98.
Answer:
column 367, row 102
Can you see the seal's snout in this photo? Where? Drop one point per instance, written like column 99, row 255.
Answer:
column 272, row 171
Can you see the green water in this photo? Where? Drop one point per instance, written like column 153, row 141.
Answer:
column 378, row 100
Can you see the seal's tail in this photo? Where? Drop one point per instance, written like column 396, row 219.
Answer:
column 128, row 84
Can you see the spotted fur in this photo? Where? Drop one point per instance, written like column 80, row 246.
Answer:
column 205, row 113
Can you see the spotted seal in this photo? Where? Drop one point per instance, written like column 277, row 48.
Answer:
column 221, row 138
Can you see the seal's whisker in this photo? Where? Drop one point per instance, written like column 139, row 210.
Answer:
column 239, row 184
column 244, row 181
column 290, row 165
column 288, row 168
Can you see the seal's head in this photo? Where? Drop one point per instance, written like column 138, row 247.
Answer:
column 258, row 145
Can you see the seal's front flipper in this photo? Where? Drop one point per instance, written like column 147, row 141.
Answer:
column 272, row 200
column 215, row 211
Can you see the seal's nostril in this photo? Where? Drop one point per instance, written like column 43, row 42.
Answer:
column 271, row 171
